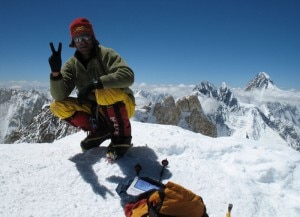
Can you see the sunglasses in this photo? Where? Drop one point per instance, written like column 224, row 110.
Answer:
column 82, row 38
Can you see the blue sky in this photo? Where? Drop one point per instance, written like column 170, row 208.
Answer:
column 164, row 41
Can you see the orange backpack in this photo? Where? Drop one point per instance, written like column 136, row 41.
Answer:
column 171, row 201
column 157, row 199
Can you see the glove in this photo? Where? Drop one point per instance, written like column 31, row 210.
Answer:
column 55, row 58
column 85, row 91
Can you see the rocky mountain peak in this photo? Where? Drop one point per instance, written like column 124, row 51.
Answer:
column 261, row 81
column 223, row 94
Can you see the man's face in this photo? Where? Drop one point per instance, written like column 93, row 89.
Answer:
column 83, row 43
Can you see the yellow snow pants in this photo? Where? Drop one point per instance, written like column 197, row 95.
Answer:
column 104, row 97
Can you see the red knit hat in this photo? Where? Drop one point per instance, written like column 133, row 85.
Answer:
column 80, row 26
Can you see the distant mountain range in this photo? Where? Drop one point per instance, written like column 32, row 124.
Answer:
column 252, row 112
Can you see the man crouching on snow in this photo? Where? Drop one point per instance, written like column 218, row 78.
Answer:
column 104, row 102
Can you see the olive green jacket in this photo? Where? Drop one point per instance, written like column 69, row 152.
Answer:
column 107, row 66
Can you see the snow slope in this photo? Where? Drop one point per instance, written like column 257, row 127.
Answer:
column 260, row 178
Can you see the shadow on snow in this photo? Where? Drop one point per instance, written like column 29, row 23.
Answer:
column 143, row 155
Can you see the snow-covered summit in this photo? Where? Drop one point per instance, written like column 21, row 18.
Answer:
column 261, row 81
column 55, row 179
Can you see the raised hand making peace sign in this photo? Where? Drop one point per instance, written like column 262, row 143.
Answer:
column 55, row 58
